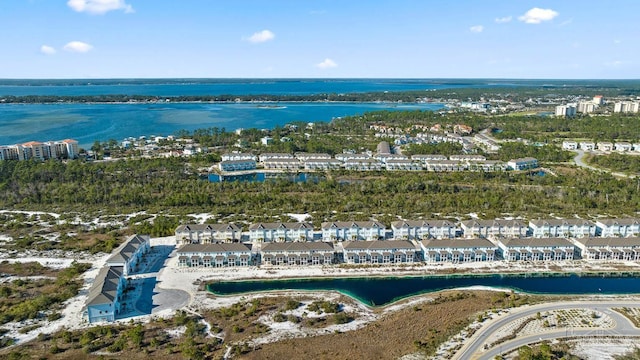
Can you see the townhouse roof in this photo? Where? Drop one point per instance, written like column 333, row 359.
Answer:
column 535, row 242
column 126, row 251
column 281, row 225
column 297, row 246
column 610, row 241
column 351, row 224
column 282, row 160
column 560, row 222
column 421, row 223
column 379, row 245
column 493, row 222
column 208, row 227
column 457, row 243
column 244, row 161
column 214, row 248
column 525, row 159
column 619, row 222
column 105, row 286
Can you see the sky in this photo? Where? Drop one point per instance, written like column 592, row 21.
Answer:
column 566, row 39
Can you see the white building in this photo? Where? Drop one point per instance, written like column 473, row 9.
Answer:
column 618, row 227
column 280, row 232
column 458, row 250
column 207, row 233
column 423, row 229
column 622, row 146
column 379, row 252
column 609, row 248
column 566, row 110
column 238, row 156
column 215, row 255
column 586, row 107
column 237, row 165
column 308, row 253
column 105, row 296
column 587, row 145
column 523, row 164
column 536, row 249
column 544, row 228
column 502, row 228
column 569, row 145
column 129, row 254
column 626, row 107
column 352, row 230
column 605, row 146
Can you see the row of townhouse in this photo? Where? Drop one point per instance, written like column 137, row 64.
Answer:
column 129, row 254
column 104, row 301
column 622, row 146
column 407, row 230
column 574, row 228
column 62, row 149
column 452, row 250
column 365, row 162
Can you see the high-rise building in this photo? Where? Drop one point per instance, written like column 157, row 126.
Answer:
column 626, row 107
column 566, row 110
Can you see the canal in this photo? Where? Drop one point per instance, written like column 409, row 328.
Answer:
column 379, row 291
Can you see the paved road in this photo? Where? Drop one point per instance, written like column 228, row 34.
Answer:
column 473, row 348
column 579, row 160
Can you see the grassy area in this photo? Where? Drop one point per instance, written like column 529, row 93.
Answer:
column 419, row 328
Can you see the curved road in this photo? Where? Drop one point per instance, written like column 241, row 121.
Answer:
column 473, row 348
column 578, row 159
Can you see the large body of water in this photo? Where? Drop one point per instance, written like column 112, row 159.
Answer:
column 384, row 290
column 87, row 123
column 90, row 122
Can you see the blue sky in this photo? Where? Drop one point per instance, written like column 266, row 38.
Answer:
column 319, row 39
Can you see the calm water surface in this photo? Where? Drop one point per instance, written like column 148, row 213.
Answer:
column 381, row 291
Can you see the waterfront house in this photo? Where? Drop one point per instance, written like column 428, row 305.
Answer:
column 215, row 255
column 238, row 156
column 308, row 253
column 562, row 228
column 322, row 164
column 207, row 233
column 486, row 228
column 237, row 165
column 307, row 156
column 105, row 295
column 352, row 230
column 379, row 252
column 458, row 250
column 587, row 145
column 269, row 156
column 523, row 163
column 281, row 232
column 363, row 164
column 618, row 227
column 384, row 157
column 488, row 165
column 129, row 254
column 282, row 164
column 536, row 249
column 609, row 248
column 423, row 229
column 406, row 165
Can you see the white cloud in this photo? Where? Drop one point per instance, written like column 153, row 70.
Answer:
column 99, row 6
column 77, row 47
column 261, row 36
column 503, row 20
column 537, row 15
column 327, row 64
column 47, row 50
column 476, row 28
column 615, row 63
